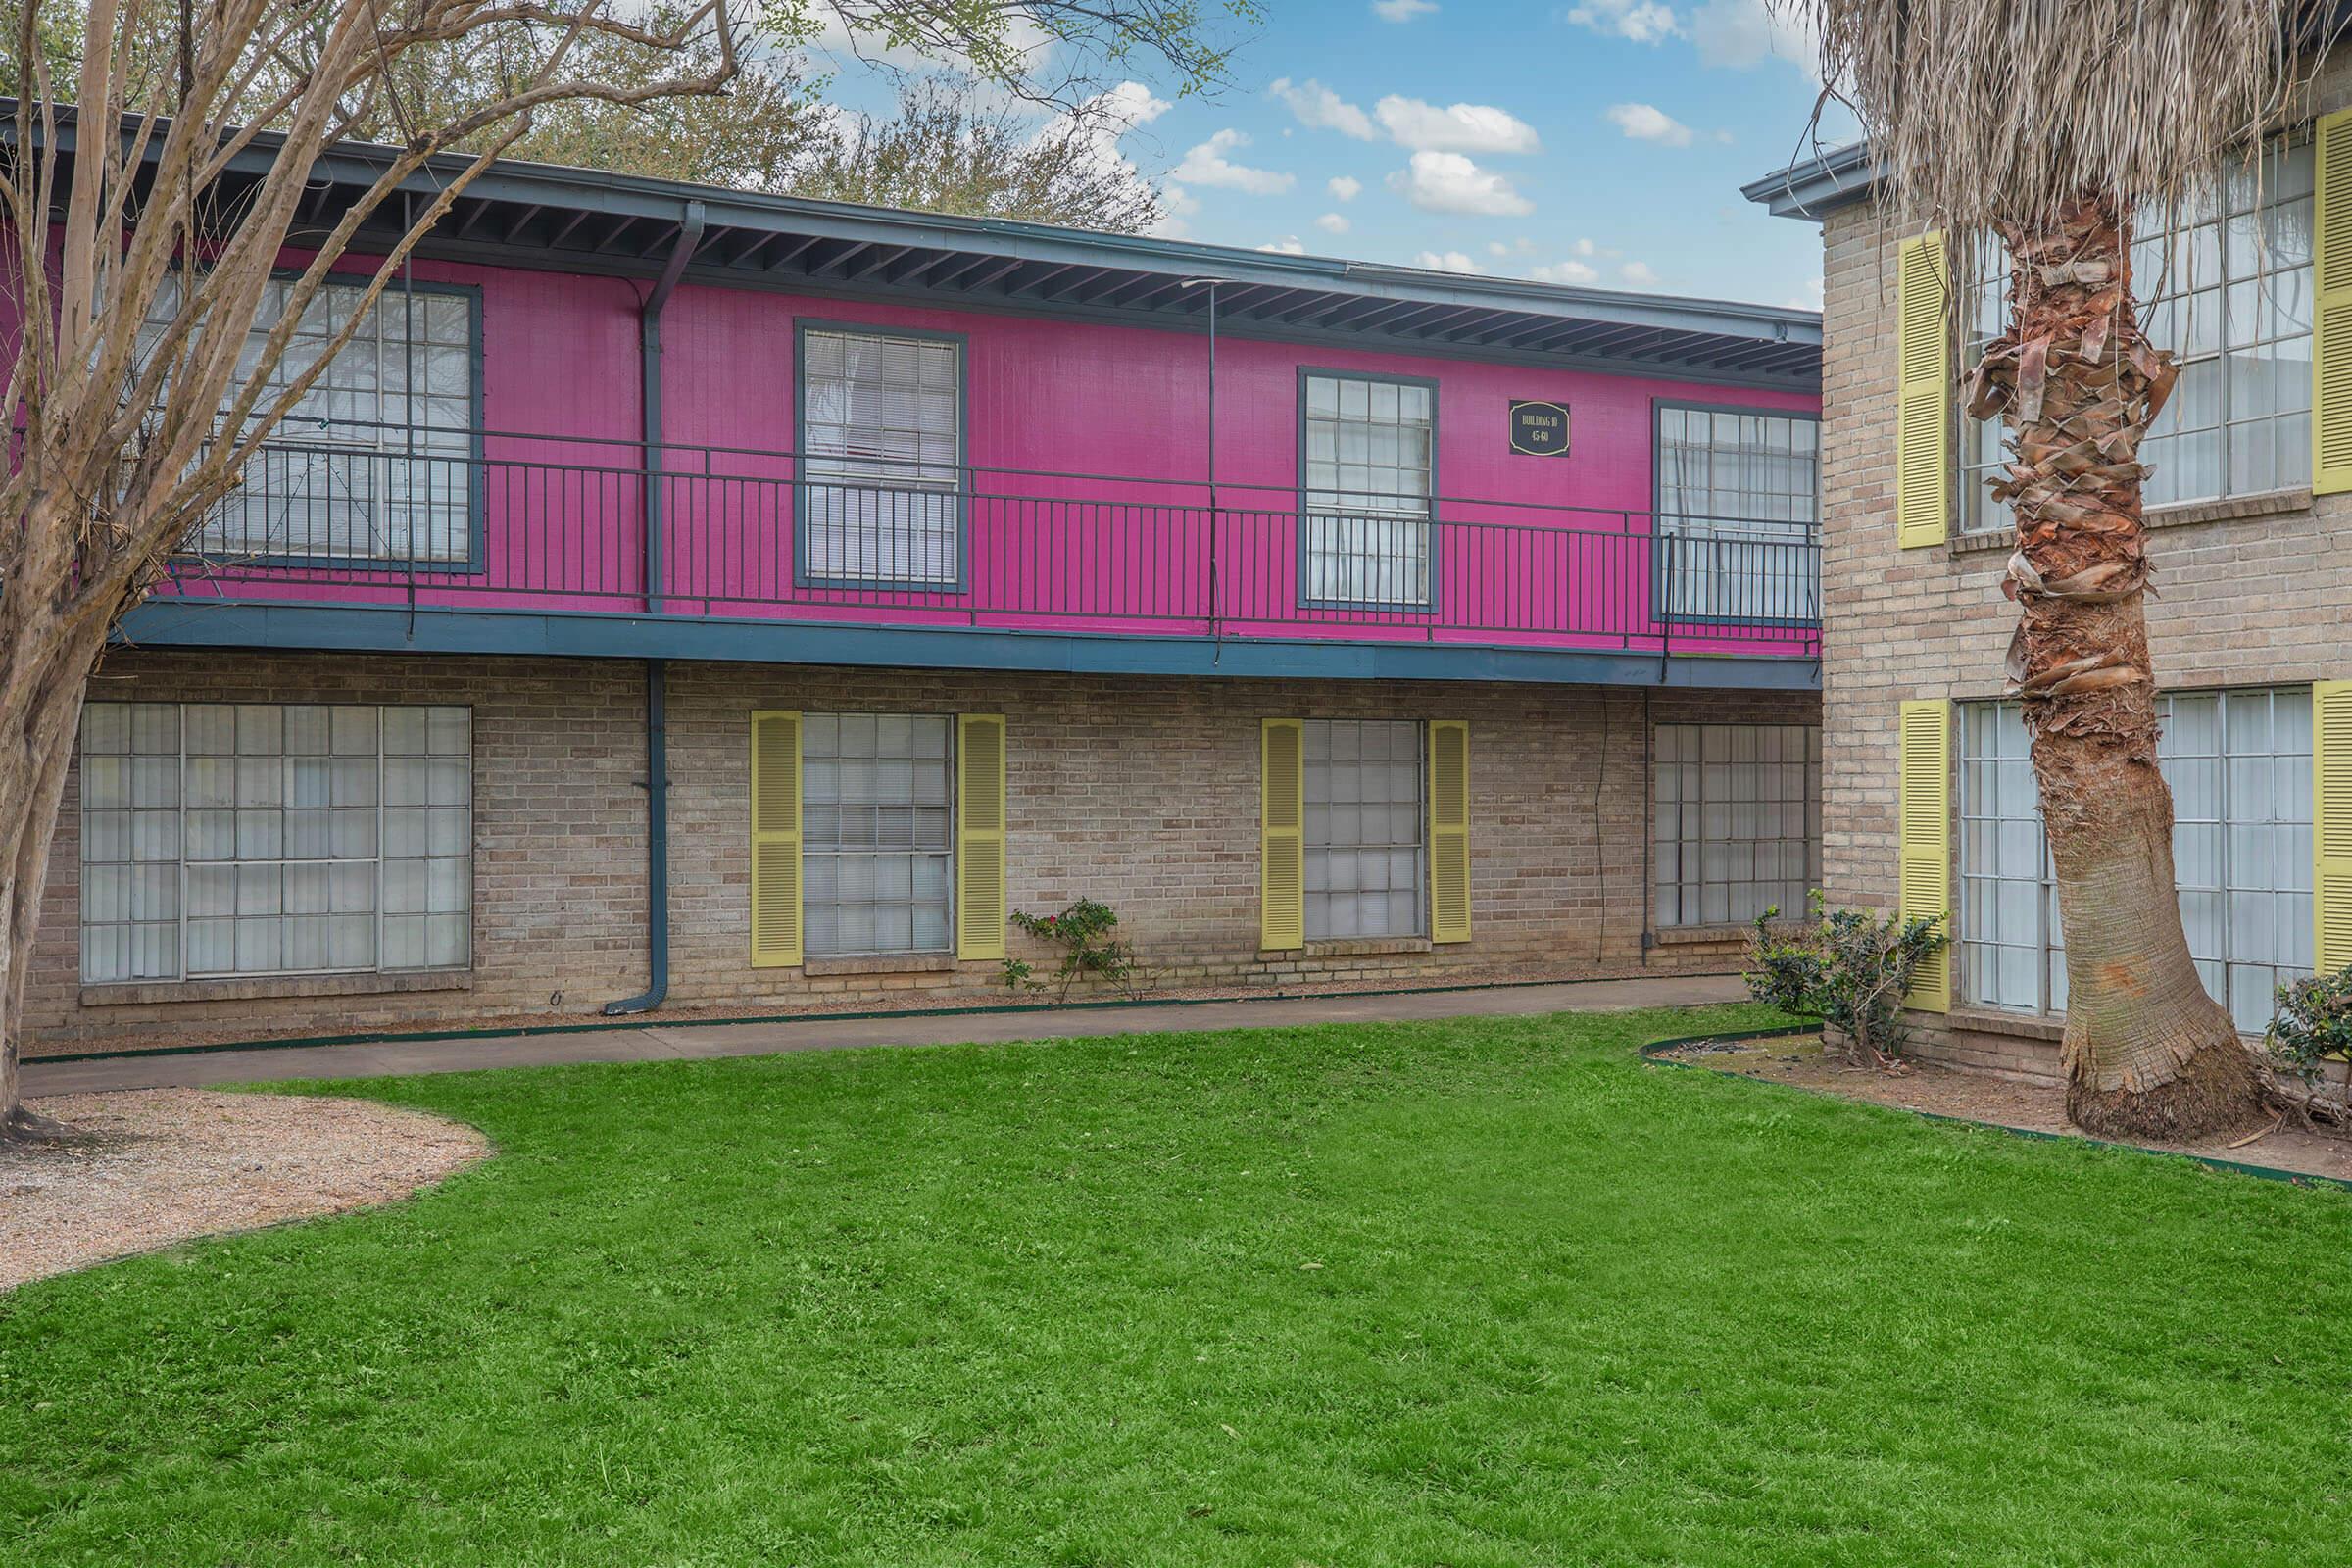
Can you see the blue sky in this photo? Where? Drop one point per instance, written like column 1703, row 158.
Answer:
column 1599, row 142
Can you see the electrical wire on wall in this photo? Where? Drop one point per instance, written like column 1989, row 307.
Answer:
column 1601, row 842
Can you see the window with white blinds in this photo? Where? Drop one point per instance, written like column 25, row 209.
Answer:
column 376, row 464
column 882, row 445
column 1369, row 470
column 1365, row 817
column 877, row 851
column 2239, row 763
column 259, row 838
column 1740, row 513
column 1739, row 820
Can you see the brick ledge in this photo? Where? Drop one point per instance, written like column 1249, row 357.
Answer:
column 260, row 987
column 881, row 963
column 2024, row 1025
column 2177, row 515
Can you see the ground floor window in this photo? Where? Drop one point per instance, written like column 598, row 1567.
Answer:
column 260, row 838
column 877, row 836
column 2239, row 766
column 1364, row 829
column 1739, row 820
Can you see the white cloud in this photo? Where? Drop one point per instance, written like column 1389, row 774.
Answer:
column 1029, row 42
column 1449, row 182
column 1649, row 123
column 1641, row 21
column 1176, row 204
column 1318, row 108
column 1585, row 247
column 1640, row 275
column 1207, row 164
column 1345, row 187
column 1403, row 10
column 1742, row 33
column 1097, row 124
column 1333, row 223
column 1458, row 128
column 1563, row 273
column 1288, row 245
column 1445, row 262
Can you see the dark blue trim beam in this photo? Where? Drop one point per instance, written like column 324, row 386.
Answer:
column 554, row 635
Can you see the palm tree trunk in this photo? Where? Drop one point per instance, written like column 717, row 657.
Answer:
column 2147, row 1054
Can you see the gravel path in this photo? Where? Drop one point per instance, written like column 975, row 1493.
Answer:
column 160, row 1167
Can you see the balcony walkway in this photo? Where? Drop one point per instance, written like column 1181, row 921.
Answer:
column 689, row 1042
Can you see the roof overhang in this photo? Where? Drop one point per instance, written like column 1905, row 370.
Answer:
column 588, row 220
column 1813, row 186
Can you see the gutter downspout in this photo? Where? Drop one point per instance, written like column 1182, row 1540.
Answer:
column 657, row 671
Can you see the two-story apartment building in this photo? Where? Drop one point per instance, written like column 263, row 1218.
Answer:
column 678, row 597
column 1929, row 801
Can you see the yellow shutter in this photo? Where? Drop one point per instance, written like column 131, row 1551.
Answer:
column 1281, row 836
column 980, row 905
column 2332, row 824
column 2332, row 266
column 775, row 840
column 1926, row 857
column 1448, row 830
column 1922, row 465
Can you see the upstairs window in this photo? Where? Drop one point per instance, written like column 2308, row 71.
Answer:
column 2225, row 280
column 882, row 448
column 1739, row 514
column 1370, row 475
column 376, row 464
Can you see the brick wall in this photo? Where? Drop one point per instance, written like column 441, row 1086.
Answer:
column 1141, row 792
column 2248, row 594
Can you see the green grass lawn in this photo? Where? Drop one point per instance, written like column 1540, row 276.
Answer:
column 1477, row 1292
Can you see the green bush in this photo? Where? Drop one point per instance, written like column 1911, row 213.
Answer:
column 1849, row 969
column 2314, row 1023
column 1089, row 950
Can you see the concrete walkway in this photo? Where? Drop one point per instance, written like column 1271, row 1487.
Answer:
column 692, row 1041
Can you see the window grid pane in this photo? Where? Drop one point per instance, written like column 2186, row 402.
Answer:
column 1364, row 829
column 883, row 440
column 1739, row 820
column 2229, row 275
column 2238, row 764
column 876, row 845
column 261, row 837
column 1369, row 473
column 374, row 462
column 1739, row 507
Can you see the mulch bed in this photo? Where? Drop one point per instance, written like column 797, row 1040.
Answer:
column 155, row 1167
column 1800, row 1060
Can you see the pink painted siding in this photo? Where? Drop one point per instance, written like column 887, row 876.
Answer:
column 1552, row 551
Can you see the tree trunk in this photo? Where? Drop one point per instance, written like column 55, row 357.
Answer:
column 2147, row 1054
column 40, row 716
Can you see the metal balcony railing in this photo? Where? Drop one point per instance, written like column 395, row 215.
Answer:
column 480, row 520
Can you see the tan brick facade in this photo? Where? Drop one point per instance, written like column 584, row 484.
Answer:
column 1142, row 792
column 2250, row 593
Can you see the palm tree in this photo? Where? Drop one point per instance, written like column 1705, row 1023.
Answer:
column 2047, row 124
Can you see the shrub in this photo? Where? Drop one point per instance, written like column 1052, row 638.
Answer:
column 1089, row 950
column 2314, row 1023
column 1849, row 969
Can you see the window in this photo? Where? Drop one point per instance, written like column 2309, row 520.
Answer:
column 376, row 464
column 876, row 849
column 2230, row 288
column 1739, row 514
column 1364, row 819
column 1369, row 470
column 882, row 443
column 2239, row 766
column 258, row 838
column 1739, row 820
